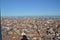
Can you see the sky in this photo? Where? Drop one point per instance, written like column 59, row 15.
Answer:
column 30, row 7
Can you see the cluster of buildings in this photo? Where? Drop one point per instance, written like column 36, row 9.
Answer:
column 34, row 28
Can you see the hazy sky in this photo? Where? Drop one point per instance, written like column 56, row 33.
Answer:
column 30, row 7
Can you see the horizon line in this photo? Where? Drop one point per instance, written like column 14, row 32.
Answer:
column 48, row 16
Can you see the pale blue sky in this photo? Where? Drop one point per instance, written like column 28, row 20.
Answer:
column 30, row 7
